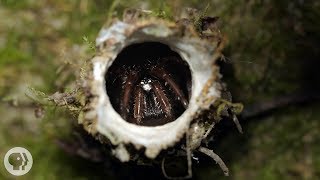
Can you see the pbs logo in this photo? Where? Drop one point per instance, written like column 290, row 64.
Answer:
column 18, row 161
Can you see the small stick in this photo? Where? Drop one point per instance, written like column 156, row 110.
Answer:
column 209, row 130
column 216, row 158
column 238, row 125
column 261, row 108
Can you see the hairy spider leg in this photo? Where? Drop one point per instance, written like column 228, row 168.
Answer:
column 139, row 104
column 162, row 74
column 162, row 98
column 130, row 81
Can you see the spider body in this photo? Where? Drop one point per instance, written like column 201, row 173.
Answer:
column 151, row 89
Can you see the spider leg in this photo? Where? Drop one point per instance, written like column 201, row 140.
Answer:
column 162, row 74
column 128, row 86
column 139, row 104
column 162, row 98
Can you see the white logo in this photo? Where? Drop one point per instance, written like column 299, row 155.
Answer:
column 18, row 161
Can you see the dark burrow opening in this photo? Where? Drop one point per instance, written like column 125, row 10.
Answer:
column 149, row 84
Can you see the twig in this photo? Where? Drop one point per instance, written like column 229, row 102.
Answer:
column 216, row 158
column 238, row 125
column 261, row 108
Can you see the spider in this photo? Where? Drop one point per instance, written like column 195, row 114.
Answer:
column 148, row 84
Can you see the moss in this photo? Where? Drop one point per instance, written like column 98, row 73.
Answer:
column 12, row 4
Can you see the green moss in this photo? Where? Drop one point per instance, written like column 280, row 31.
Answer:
column 12, row 4
column 11, row 53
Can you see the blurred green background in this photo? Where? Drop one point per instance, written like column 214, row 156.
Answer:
column 272, row 50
